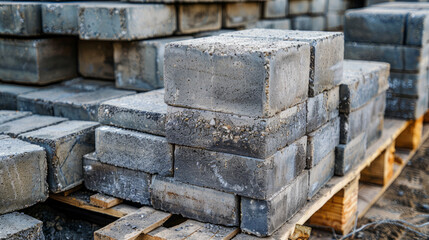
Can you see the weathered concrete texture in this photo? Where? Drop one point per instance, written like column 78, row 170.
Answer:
column 319, row 6
column 23, row 178
column 65, row 143
column 20, row 18
column 26, row 124
column 194, row 202
column 9, row 94
column 8, row 115
column 310, row 23
column 244, row 176
column 263, row 217
column 134, row 150
column 354, row 123
column 320, row 174
column 247, row 136
column 299, row 7
column 83, row 84
column 37, row 61
column 96, row 59
column 271, row 24
column 199, row 17
column 145, row 112
column 404, row 107
column 240, row 14
column 253, row 77
column 375, row 25
column 275, row 9
column 407, row 84
column 322, row 141
column 60, row 18
column 417, row 28
column 18, row 226
column 326, row 57
column 348, row 155
column 125, row 21
column 400, row 57
column 362, row 82
column 139, row 65
column 119, row 182
column 375, row 130
column 322, row 108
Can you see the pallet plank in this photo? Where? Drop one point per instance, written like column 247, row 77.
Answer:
column 104, row 201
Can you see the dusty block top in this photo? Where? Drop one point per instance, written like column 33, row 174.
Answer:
column 29, row 123
column 13, row 223
column 289, row 35
column 60, row 131
column 6, row 115
column 253, row 77
column 13, row 146
column 20, row 18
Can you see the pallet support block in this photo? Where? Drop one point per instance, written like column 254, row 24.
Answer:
column 426, row 117
column 412, row 135
column 340, row 211
column 380, row 171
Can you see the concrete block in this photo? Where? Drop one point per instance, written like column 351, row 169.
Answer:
column 144, row 112
column 249, row 75
column 27, row 124
column 125, row 21
column 96, row 59
column 321, row 173
column 339, row 5
column 23, row 175
column 271, row 24
column 311, row 23
column 405, row 107
column 8, row 115
column 115, row 181
column 263, row 217
column 417, row 28
column 322, row 108
column 354, row 123
column 375, row 25
column 379, row 105
column 326, row 70
column 407, row 84
column 322, row 141
column 275, row 9
column 334, row 21
column 139, row 65
column 83, row 84
column 375, row 130
column 244, row 176
column 20, row 226
column 37, row 61
column 242, row 135
column 60, row 18
column 299, row 7
column 350, row 154
column 194, row 202
column 9, row 94
column 363, row 81
column 416, row 58
column 65, row 143
column 240, row 14
column 318, row 6
column 20, row 18
column 134, row 150
column 198, row 17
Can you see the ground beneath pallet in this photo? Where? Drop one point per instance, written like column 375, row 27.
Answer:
column 406, row 199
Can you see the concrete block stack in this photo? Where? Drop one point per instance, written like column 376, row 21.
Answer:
column 395, row 33
column 362, row 104
column 20, row 226
column 372, row 2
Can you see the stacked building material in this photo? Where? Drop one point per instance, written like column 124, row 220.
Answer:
column 20, row 226
column 362, row 105
column 395, row 33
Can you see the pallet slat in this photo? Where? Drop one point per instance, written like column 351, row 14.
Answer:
column 104, row 201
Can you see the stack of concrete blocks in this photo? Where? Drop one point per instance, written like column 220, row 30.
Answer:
column 396, row 33
column 372, row 2
column 362, row 106
column 308, row 14
column 16, row 226
column 335, row 13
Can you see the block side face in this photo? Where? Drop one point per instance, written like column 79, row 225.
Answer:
column 96, row 59
column 22, row 19
column 20, row 226
column 356, row 122
column 350, row 154
column 275, row 9
column 322, row 141
column 321, row 173
column 60, row 18
column 22, row 125
column 240, row 14
column 404, row 107
column 199, row 17
column 322, row 108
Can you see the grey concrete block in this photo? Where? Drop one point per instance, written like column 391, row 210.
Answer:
column 20, row 18
column 416, row 58
column 244, row 176
column 339, row 5
column 236, row 75
column 299, row 7
column 8, row 115
column 417, row 28
column 356, row 122
column 405, row 107
column 144, row 112
column 60, row 18
column 275, row 9
column 240, row 14
column 283, row 24
column 125, row 21
column 320, row 174
column 139, row 65
column 65, row 143
column 322, row 108
column 322, row 141
column 199, row 203
column 96, row 59
column 37, row 61
column 375, row 130
column 334, row 21
column 23, row 178
column 115, row 181
column 9, row 94
column 319, row 6
column 311, row 23
column 242, row 135
column 375, row 25
column 362, row 82
column 212, row 33
column 326, row 55
column 407, row 84
column 16, row 226
column 350, row 154
column 198, row 17
column 27, row 124
column 134, row 150
column 263, row 217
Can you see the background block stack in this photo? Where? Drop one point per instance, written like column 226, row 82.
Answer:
column 395, row 33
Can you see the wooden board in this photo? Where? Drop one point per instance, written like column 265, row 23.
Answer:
column 380, row 171
column 104, row 201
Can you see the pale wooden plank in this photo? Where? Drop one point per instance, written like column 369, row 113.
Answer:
column 104, row 201
column 179, row 232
